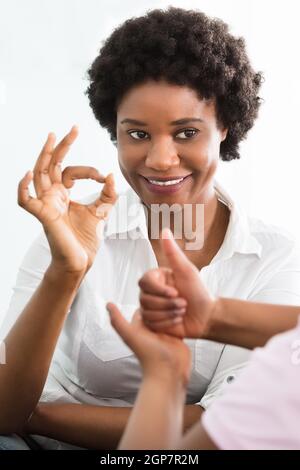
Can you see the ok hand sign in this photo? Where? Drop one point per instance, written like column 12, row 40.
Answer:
column 73, row 230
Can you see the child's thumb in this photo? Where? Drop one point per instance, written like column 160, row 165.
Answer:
column 120, row 324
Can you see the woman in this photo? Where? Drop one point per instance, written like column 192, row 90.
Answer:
column 176, row 91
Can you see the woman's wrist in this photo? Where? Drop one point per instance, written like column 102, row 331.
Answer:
column 215, row 321
column 57, row 274
column 227, row 324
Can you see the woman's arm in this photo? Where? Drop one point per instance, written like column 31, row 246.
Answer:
column 30, row 345
column 73, row 234
column 98, row 427
column 230, row 321
column 249, row 324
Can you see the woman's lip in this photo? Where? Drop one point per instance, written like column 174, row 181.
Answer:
column 169, row 189
column 165, row 178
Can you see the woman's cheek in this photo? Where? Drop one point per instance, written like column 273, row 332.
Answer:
column 204, row 155
column 212, row 153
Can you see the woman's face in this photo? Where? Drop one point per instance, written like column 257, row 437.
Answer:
column 168, row 143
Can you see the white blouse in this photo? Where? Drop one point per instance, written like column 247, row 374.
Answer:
column 92, row 365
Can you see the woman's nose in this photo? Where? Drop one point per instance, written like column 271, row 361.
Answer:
column 162, row 156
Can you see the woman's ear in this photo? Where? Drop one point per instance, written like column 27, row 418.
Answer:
column 223, row 134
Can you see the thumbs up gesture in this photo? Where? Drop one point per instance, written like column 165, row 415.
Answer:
column 174, row 300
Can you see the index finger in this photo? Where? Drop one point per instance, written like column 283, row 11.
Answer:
column 108, row 194
column 73, row 173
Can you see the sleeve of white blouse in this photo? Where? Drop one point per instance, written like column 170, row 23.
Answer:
column 278, row 283
column 29, row 276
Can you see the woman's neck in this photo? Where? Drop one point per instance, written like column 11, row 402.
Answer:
column 202, row 231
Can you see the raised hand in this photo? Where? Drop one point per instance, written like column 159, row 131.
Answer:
column 174, row 300
column 158, row 353
column 73, row 230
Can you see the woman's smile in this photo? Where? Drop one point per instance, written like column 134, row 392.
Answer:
column 166, row 184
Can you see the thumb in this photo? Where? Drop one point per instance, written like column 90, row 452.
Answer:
column 178, row 262
column 108, row 193
column 120, row 324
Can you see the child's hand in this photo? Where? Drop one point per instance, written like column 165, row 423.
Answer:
column 160, row 355
column 175, row 301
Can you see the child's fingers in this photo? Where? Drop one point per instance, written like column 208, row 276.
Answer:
column 154, row 316
column 173, row 327
column 154, row 302
column 108, row 194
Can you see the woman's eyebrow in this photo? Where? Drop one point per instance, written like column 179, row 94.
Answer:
column 133, row 121
column 173, row 123
column 185, row 121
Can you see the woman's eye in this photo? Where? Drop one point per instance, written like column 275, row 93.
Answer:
column 138, row 135
column 187, row 133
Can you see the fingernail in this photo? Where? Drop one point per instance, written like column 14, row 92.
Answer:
column 178, row 311
column 180, row 303
column 177, row 320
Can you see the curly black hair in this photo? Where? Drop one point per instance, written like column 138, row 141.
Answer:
column 183, row 47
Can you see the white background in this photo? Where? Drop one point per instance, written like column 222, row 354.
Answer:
column 46, row 47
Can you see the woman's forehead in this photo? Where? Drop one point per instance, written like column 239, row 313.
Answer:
column 164, row 100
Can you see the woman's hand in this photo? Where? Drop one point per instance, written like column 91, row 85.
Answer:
column 73, row 230
column 160, row 355
column 174, row 300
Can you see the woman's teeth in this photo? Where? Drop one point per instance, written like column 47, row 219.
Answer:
column 166, row 183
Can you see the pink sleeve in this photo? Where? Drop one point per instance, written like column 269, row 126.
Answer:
column 262, row 409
